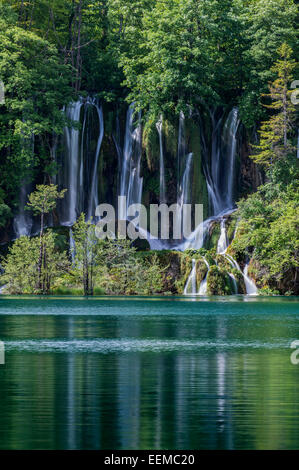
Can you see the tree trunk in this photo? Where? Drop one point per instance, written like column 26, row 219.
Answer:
column 41, row 252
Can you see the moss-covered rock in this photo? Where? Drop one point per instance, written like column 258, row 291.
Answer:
column 199, row 185
column 151, row 146
column 213, row 236
column 201, row 271
column 186, row 267
column 240, row 280
column 218, row 282
column 175, row 268
column 231, row 224
column 223, row 262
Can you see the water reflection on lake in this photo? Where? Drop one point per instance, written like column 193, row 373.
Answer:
column 141, row 373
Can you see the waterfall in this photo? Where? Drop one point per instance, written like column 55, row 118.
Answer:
column 250, row 285
column 191, row 282
column 130, row 180
column 184, row 188
column 203, row 288
column 23, row 221
column 184, row 195
column 117, row 142
column 159, row 126
column 94, row 197
column 230, row 140
column 251, row 288
column 232, row 262
column 216, row 173
column 234, row 265
column 184, row 167
column 80, row 161
column 2, row 289
column 234, row 282
column 222, row 242
column 220, row 173
column 72, row 246
column 181, row 149
column 71, row 164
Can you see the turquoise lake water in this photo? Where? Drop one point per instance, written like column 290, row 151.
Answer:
column 149, row 373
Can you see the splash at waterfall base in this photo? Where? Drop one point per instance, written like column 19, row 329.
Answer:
column 213, row 272
column 172, row 223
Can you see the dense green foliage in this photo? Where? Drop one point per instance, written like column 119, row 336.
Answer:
column 274, row 134
column 42, row 201
column 167, row 56
column 268, row 232
column 22, row 275
column 41, row 266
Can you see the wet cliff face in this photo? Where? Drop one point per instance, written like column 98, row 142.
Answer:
column 198, row 159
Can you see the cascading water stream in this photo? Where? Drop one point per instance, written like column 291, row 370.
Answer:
column 23, row 221
column 184, row 168
column 159, row 126
column 221, row 249
column 80, row 163
column 117, row 142
column 181, row 150
column 214, row 188
column 219, row 173
column 234, row 283
column 2, row 289
column 71, row 162
column 130, row 180
column 203, row 288
column 94, row 196
column 229, row 137
column 251, row 288
column 184, row 188
column 222, row 242
column 72, row 246
column 190, row 287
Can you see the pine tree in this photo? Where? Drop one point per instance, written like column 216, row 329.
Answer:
column 274, row 144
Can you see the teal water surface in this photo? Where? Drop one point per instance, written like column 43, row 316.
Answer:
column 149, row 373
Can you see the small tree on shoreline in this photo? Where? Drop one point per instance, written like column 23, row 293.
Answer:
column 42, row 201
column 86, row 252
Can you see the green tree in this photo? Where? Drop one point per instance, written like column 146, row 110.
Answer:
column 268, row 233
column 37, row 86
column 268, row 24
column 120, row 270
column 185, row 53
column 42, row 201
column 21, row 265
column 274, row 144
column 85, row 252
